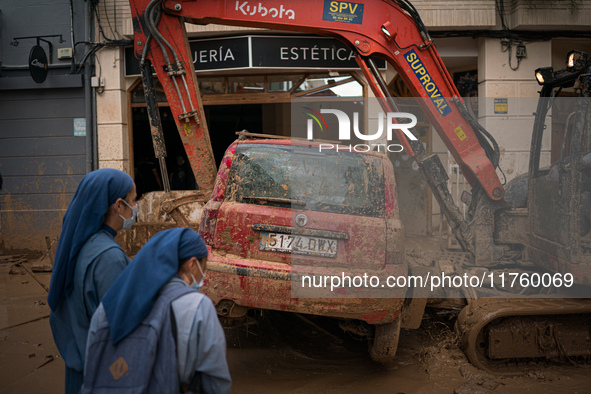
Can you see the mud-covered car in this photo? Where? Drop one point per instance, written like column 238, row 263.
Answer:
column 286, row 215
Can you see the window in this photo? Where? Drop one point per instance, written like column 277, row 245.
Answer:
column 328, row 181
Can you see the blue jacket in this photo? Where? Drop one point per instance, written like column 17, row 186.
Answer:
column 100, row 261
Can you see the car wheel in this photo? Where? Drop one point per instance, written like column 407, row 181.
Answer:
column 383, row 347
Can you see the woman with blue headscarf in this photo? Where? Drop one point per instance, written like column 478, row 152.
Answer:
column 156, row 285
column 87, row 261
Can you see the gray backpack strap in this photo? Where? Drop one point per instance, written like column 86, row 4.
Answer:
column 173, row 290
column 195, row 384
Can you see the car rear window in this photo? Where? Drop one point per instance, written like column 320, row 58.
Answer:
column 302, row 177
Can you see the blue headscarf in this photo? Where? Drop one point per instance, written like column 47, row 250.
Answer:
column 133, row 294
column 85, row 215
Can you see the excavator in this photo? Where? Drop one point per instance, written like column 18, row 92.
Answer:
column 536, row 224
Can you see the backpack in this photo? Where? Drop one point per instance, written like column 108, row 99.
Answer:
column 145, row 361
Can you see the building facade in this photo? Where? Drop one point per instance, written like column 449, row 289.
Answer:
column 45, row 111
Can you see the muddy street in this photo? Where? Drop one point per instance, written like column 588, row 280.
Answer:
column 275, row 352
column 286, row 353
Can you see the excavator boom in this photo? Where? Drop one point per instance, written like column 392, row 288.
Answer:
column 386, row 29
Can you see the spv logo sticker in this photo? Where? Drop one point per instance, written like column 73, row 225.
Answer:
column 343, row 11
column 427, row 82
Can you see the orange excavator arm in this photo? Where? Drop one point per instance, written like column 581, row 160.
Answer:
column 388, row 29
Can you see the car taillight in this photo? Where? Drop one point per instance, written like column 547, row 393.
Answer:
column 209, row 217
column 222, row 179
column 209, row 220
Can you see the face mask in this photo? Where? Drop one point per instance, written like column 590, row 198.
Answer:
column 127, row 223
column 197, row 285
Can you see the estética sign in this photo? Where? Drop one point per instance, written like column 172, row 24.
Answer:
column 38, row 64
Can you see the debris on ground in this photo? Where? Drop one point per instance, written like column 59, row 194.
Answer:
column 11, row 259
column 41, row 267
column 16, row 270
column 476, row 381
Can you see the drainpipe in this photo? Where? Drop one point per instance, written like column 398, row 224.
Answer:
column 94, row 120
column 88, row 93
column 72, row 39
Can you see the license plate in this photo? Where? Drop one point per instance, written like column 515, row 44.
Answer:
column 300, row 244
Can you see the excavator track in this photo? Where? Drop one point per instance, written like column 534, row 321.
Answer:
column 502, row 335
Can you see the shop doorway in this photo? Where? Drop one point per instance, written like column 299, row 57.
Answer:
column 223, row 122
column 147, row 171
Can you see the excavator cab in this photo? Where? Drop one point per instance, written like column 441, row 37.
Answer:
column 559, row 196
column 548, row 222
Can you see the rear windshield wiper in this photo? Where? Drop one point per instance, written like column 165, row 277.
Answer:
column 279, row 200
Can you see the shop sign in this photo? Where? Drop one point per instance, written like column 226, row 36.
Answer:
column 38, row 64
column 265, row 52
column 304, row 52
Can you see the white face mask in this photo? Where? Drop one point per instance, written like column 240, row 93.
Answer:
column 197, row 285
column 127, row 223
